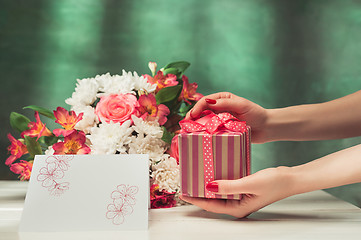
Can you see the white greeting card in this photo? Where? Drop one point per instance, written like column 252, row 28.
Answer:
column 87, row 193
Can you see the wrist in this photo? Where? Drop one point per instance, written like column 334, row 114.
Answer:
column 290, row 178
column 291, row 181
column 274, row 125
column 268, row 132
column 285, row 124
column 303, row 179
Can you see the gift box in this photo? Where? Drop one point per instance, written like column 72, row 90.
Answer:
column 214, row 147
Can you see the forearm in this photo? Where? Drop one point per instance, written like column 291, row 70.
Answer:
column 273, row 184
column 337, row 169
column 340, row 118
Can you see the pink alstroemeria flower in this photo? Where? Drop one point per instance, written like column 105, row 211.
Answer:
column 67, row 120
column 189, row 91
column 23, row 168
column 36, row 129
column 118, row 210
column 17, row 149
column 161, row 80
column 150, row 111
column 73, row 144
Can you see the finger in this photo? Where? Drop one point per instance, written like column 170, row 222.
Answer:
column 197, row 109
column 234, row 208
column 211, row 205
column 202, row 105
column 238, row 106
column 188, row 115
column 245, row 185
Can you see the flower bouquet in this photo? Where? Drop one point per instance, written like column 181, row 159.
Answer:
column 114, row 114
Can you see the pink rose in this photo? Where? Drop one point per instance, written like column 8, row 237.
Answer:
column 117, row 108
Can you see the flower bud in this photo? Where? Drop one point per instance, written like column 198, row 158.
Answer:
column 153, row 67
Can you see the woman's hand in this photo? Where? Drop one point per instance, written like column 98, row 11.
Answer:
column 273, row 184
column 243, row 109
column 296, row 123
column 259, row 189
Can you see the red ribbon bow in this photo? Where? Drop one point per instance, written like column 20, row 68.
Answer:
column 211, row 123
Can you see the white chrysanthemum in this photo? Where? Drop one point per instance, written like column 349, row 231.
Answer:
column 146, row 128
column 85, row 92
column 141, row 84
column 89, row 118
column 115, row 84
column 49, row 151
column 110, row 137
column 166, row 174
column 152, row 146
column 103, row 79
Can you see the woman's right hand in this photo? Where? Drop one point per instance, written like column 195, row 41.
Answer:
column 245, row 110
column 259, row 190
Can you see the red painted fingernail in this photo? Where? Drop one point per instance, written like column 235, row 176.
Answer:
column 190, row 113
column 212, row 186
column 210, row 101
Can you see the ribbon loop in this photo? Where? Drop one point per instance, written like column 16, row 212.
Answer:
column 189, row 126
column 212, row 123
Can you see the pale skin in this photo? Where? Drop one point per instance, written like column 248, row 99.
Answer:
column 340, row 118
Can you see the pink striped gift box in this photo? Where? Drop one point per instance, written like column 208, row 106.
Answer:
column 231, row 160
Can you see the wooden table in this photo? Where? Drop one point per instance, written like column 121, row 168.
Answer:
column 315, row 215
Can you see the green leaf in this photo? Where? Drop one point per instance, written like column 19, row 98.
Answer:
column 95, row 102
column 174, row 71
column 33, row 146
column 167, row 136
column 27, row 157
column 19, row 122
column 47, row 140
column 181, row 66
column 43, row 111
column 168, row 94
column 183, row 110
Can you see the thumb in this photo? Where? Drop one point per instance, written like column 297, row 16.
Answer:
column 238, row 186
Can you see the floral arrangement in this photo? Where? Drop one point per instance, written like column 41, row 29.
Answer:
column 114, row 114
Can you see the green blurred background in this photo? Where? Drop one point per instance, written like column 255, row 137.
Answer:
column 276, row 53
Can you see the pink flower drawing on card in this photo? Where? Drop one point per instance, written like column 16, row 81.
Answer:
column 61, row 160
column 58, row 188
column 50, row 175
column 117, row 210
column 127, row 193
column 123, row 202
